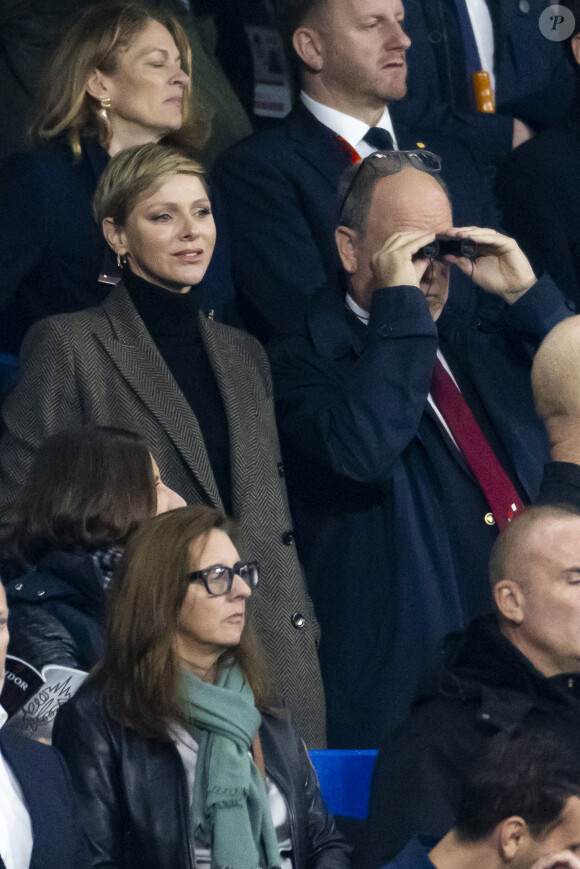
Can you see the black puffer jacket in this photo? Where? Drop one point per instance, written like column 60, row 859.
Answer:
column 57, row 612
column 484, row 685
column 134, row 799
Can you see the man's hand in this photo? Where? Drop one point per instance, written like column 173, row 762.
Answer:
column 521, row 133
column 500, row 267
column 561, row 860
column 393, row 264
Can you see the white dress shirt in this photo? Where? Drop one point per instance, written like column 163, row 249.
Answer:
column 482, row 26
column 351, row 129
column 15, row 826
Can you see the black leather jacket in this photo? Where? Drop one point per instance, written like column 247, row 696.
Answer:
column 57, row 612
column 134, row 798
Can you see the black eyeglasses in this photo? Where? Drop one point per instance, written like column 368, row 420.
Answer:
column 219, row 579
column 391, row 162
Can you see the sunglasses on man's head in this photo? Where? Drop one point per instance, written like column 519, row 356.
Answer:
column 390, row 162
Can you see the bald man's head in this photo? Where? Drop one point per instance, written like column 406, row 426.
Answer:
column 404, row 201
column 556, row 371
column 556, row 385
column 515, row 546
column 535, row 575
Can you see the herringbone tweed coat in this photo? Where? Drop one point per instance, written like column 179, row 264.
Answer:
column 101, row 366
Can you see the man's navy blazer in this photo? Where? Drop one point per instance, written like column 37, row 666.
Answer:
column 389, row 519
column 534, row 81
column 279, row 190
column 538, row 190
column 44, row 779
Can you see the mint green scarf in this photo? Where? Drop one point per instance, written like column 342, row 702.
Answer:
column 230, row 812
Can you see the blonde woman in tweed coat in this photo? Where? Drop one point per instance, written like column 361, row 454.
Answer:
column 198, row 391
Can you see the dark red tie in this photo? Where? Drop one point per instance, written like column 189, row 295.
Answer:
column 497, row 487
column 347, row 149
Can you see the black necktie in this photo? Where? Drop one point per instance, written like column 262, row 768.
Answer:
column 378, row 138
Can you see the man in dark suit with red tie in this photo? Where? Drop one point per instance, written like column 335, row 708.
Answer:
column 406, row 446
column 279, row 187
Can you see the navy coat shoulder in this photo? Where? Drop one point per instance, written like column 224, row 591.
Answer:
column 45, row 783
column 538, row 192
column 52, row 251
column 415, row 855
column 279, row 189
column 389, row 520
column 534, row 81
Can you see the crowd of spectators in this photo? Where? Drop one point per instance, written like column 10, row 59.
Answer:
column 290, row 430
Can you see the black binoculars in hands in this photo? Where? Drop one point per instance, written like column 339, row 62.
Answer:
column 447, row 244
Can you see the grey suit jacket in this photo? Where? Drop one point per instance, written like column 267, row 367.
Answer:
column 101, row 366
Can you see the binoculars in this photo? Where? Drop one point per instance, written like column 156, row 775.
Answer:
column 445, row 244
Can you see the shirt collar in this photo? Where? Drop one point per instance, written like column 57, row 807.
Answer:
column 351, row 129
column 359, row 312
column 3, row 716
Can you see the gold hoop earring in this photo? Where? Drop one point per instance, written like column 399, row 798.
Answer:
column 105, row 104
column 121, row 261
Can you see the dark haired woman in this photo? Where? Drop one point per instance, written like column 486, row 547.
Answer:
column 119, row 76
column 86, row 492
column 173, row 763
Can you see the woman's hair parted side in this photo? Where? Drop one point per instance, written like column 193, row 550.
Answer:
column 137, row 171
column 93, row 40
column 139, row 672
column 86, row 488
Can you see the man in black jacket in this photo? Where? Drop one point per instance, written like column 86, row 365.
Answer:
column 520, row 665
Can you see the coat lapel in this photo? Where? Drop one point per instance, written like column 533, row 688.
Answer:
column 409, row 141
column 317, row 145
column 238, row 392
column 134, row 354
column 335, row 337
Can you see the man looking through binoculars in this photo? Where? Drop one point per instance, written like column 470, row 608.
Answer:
column 408, row 445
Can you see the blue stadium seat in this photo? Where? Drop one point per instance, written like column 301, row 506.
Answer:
column 345, row 780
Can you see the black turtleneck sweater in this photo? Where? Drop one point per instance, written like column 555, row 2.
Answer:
column 172, row 321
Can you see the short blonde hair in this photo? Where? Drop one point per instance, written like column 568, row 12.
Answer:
column 136, row 171
column 94, row 40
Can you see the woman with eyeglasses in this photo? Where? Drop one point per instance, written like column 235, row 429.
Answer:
column 175, row 750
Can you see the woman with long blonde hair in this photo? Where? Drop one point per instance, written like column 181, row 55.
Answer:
column 119, row 76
